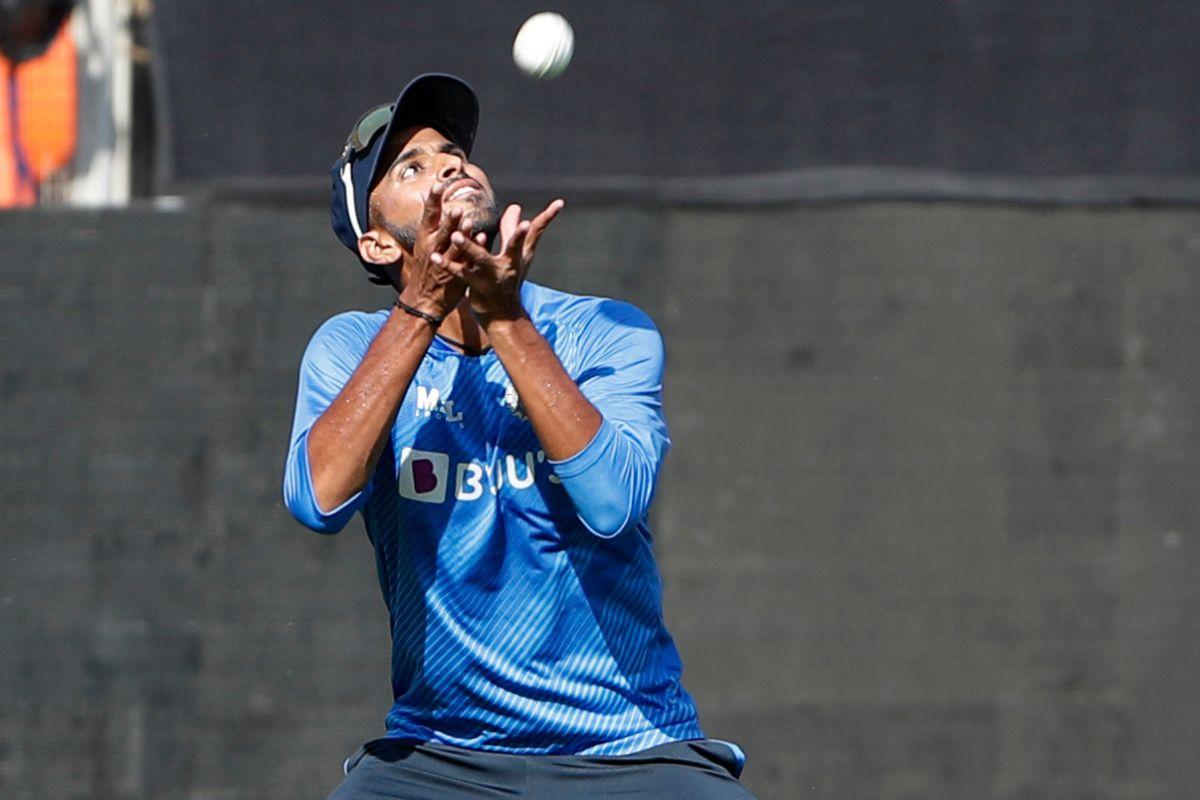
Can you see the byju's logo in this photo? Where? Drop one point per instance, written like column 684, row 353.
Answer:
column 423, row 475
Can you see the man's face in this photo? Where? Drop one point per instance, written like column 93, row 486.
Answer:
column 418, row 159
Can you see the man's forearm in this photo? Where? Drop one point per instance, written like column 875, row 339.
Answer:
column 345, row 442
column 563, row 419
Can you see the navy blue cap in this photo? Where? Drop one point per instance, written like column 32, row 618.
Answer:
column 440, row 101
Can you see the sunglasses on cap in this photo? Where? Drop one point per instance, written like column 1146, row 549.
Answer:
column 366, row 129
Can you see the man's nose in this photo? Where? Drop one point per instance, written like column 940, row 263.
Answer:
column 449, row 166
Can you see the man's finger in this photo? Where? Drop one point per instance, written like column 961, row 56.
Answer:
column 433, row 208
column 508, row 224
column 516, row 251
column 472, row 251
column 538, row 226
column 468, row 273
column 451, row 221
column 452, row 252
column 516, row 246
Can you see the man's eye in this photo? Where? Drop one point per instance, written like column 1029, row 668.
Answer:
column 405, row 173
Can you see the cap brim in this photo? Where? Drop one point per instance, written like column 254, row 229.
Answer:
column 439, row 101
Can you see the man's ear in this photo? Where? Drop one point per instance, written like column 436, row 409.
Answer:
column 379, row 247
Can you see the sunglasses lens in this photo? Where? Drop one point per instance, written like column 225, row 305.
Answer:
column 371, row 123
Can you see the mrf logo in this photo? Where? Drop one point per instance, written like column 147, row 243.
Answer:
column 423, row 475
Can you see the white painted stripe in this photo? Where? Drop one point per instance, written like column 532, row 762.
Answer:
column 348, row 183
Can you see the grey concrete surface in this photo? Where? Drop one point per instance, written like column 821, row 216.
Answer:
column 929, row 528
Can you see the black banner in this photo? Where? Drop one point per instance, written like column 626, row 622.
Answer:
column 685, row 89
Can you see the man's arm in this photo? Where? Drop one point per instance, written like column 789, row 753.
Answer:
column 562, row 417
column 607, row 457
column 344, row 443
column 613, row 446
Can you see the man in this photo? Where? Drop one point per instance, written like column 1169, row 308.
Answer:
column 501, row 441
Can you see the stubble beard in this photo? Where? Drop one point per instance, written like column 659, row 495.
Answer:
column 483, row 213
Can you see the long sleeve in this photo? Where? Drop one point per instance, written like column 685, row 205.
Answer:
column 611, row 481
column 329, row 360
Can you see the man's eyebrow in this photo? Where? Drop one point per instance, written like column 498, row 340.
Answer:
column 406, row 155
column 445, row 147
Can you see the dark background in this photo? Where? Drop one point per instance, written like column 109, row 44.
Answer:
column 681, row 88
column 928, row 275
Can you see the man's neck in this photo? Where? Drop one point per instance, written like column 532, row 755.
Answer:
column 460, row 327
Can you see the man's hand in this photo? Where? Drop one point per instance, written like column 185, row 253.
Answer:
column 495, row 280
column 429, row 285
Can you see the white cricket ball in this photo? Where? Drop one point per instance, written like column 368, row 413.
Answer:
column 544, row 45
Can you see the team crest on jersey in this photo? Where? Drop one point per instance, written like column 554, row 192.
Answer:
column 512, row 402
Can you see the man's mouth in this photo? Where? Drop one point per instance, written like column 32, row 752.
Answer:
column 461, row 188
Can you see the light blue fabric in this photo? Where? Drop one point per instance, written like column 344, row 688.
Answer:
column 524, row 601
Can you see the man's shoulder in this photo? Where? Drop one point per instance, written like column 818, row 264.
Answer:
column 590, row 313
column 348, row 331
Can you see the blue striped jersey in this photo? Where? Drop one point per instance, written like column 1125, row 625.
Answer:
column 523, row 597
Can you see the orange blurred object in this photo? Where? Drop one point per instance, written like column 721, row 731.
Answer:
column 38, row 119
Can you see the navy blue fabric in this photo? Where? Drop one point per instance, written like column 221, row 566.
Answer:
column 390, row 769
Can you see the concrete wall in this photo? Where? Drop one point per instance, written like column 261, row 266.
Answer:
column 928, row 529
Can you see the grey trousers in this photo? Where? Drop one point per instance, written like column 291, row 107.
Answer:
column 398, row 770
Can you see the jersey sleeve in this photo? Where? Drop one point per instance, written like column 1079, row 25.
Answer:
column 332, row 355
column 611, row 480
